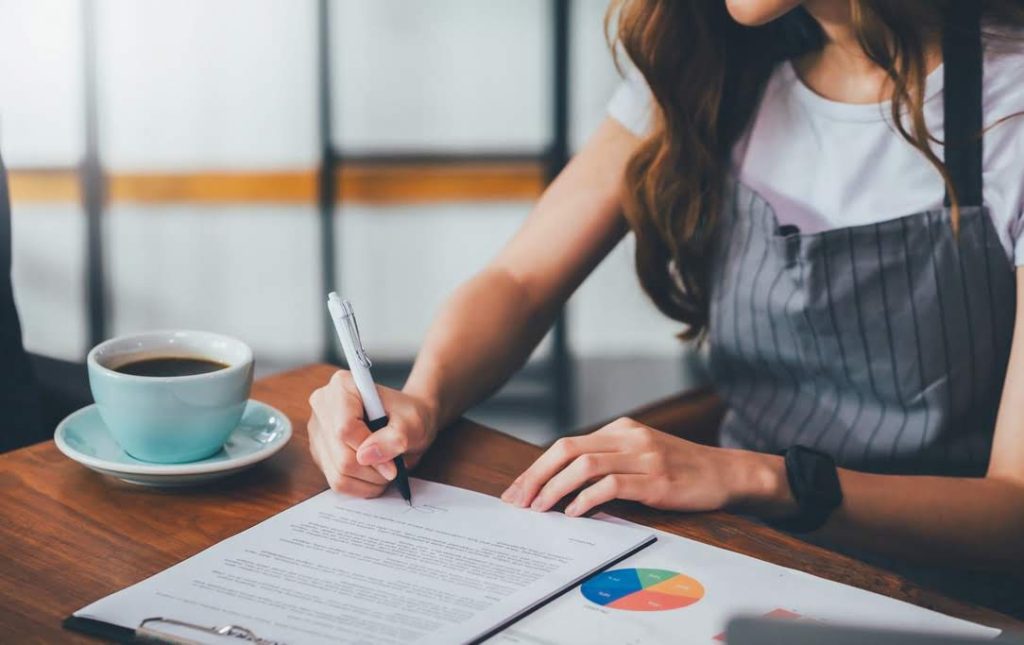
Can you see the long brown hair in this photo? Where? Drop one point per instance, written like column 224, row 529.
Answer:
column 706, row 73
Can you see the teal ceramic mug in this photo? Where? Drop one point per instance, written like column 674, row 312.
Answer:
column 171, row 419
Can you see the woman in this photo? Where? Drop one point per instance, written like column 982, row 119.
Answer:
column 798, row 203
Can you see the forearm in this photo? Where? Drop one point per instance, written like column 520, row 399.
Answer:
column 975, row 522
column 972, row 521
column 482, row 335
column 488, row 328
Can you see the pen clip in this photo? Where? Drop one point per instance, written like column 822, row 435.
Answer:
column 353, row 331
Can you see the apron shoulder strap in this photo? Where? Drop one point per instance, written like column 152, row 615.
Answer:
column 962, row 102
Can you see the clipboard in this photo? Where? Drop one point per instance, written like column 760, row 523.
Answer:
column 163, row 630
column 138, row 612
column 149, row 632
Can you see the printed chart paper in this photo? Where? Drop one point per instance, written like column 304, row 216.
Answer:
column 682, row 591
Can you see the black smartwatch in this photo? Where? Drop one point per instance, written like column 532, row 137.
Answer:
column 814, row 481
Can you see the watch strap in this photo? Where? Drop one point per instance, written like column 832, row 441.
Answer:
column 814, row 481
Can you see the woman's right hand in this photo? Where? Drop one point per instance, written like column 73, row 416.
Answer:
column 354, row 460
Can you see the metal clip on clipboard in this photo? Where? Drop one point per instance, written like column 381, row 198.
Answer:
column 147, row 633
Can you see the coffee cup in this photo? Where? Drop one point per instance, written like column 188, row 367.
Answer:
column 171, row 396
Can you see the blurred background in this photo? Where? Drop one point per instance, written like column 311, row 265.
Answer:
column 221, row 164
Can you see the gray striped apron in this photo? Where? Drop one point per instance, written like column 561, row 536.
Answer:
column 884, row 345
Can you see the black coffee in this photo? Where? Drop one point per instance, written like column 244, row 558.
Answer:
column 170, row 366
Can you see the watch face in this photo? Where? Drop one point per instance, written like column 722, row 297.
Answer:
column 814, row 481
column 824, row 480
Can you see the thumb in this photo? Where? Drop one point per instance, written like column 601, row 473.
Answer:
column 383, row 446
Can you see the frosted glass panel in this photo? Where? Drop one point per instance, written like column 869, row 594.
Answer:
column 191, row 85
column 194, row 84
column 49, row 281
column 442, row 74
column 612, row 316
column 398, row 264
column 592, row 73
column 248, row 271
column 41, row 82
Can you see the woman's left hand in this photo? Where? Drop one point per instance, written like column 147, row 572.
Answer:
column 628, row 460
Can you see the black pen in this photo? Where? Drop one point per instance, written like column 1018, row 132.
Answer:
column 359, row 364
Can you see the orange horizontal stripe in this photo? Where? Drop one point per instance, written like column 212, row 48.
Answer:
column 366, row 183
column 212, row 187
column 44, row 186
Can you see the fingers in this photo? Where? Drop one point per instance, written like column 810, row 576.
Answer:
column 339, row 412
column 384, row 445
column 585, row 468
column 341, row 446
column 336, row 460
column 338, row 464
column 357, row 488
column 525, row 488
column 343, row 410
column 609, row 487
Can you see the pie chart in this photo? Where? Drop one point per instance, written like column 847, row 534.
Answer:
column 642, row 589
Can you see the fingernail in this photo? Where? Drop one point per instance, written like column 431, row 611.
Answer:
column 512, row 494
column 372, row 455
column 572, row 510
column 537, row 504
column 388, row 471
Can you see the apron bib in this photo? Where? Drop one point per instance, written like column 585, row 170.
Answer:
column 884, row 345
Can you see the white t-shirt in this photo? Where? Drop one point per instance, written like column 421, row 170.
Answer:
column 823, row 164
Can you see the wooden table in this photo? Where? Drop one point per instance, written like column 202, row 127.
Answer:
column 69, row 536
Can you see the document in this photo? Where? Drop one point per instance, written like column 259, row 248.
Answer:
column 453, row 568
column 682, row 591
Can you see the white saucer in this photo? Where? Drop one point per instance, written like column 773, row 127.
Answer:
column 84, row 437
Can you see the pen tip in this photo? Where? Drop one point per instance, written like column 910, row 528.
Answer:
column 409, row 502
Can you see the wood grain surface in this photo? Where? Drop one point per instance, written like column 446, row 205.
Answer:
column 70, row 536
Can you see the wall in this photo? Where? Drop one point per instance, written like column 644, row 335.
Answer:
column 201, row 85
